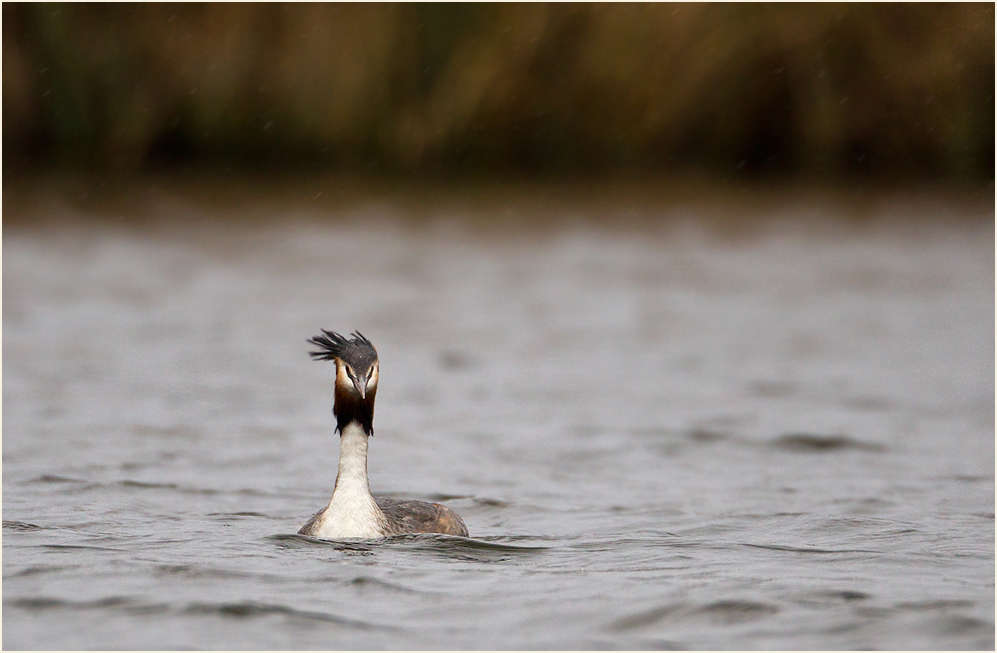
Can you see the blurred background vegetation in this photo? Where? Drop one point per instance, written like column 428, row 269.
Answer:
column 817, row 91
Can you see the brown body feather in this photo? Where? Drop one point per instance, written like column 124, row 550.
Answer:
column 420, row 517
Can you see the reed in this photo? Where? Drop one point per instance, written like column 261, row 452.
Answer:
column 810, row 90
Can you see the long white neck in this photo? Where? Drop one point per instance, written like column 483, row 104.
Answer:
column 352, row 511
column 352, row 476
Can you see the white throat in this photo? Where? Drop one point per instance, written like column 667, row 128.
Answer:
column 352, row 511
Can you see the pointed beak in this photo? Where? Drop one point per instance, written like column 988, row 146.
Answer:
column 361, row 386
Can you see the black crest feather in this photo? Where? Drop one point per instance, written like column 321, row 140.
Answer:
column 356, row 351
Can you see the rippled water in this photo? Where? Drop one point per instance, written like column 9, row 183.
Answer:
column 668, row 436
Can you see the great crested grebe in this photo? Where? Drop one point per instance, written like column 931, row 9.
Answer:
column 353, row 512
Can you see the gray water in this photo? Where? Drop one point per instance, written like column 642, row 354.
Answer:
column 664, row 434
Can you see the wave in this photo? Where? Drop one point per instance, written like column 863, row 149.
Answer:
column 20, row 526
column 809, row 442
column 490, row 549
column 250, row 609
column 237, row 609
column 734, row 611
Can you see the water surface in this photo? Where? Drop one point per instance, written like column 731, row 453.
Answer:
column 660, row 436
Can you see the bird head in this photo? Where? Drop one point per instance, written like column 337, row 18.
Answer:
column 356, row 375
